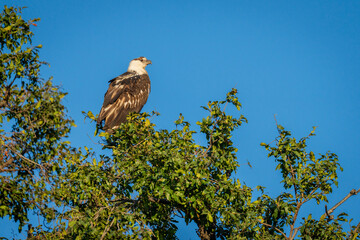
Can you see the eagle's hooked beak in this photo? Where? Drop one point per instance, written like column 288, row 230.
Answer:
column 148, row 62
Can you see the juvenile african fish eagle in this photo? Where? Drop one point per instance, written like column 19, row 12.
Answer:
column 127, row 93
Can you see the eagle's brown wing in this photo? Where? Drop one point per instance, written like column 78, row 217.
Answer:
column 127, row 93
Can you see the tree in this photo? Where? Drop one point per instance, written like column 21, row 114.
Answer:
column 155, row 175
column 152, row 176
column 33, row 123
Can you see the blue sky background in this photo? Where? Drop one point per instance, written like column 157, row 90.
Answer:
column 299, row 60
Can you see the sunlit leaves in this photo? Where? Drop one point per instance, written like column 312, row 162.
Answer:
column 310, row 177
column 31, row 146
column 147, row 177
column 323, row 229
column 154, row 175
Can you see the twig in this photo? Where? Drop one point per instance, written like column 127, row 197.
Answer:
column 276, row 120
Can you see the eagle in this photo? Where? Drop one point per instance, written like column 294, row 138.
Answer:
column 126, row 93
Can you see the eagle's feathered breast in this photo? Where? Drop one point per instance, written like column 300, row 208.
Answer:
column 127, row 93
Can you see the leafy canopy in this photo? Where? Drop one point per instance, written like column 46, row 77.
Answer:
column 146, row 178
column 33, row 123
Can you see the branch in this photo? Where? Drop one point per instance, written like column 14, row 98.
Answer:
column 295, row 232
column 277, row 125
column 351, row 193
column 25, row 158
column 292, row 232
column 123, row 200
column 293, row 177
column 156, row 200
column 354, row 232
column 146, row 226
column 106, row 230
column 5, row 102
column 271, row 226
column 212, row 131
column 151, row 199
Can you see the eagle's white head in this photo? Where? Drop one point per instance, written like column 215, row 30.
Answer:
column 138, row 65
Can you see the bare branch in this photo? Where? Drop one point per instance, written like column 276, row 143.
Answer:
column 351, row 193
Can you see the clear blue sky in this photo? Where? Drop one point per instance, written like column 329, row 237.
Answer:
column 299, row 60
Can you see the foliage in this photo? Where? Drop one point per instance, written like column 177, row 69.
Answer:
column 154, row 176
column 308, row 178
column 146, row 178
column 32, row 124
